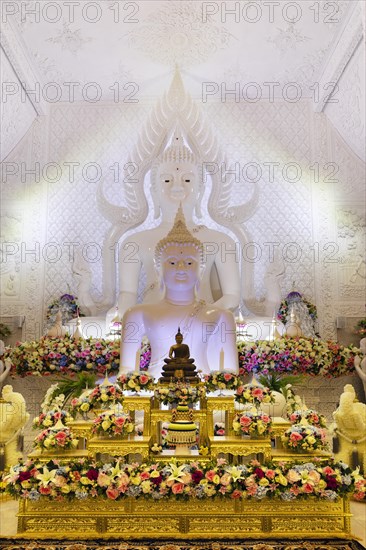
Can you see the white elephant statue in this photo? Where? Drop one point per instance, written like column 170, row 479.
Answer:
column 350, row 427
column 13, row 416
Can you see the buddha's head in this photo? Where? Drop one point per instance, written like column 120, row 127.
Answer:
column 175, row 180
column 179, row 257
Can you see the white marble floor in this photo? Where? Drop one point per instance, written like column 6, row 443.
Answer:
column 9, row 509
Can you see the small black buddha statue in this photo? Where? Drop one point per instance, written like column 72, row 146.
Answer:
column 179, row 364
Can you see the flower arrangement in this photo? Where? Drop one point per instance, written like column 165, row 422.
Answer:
column 282, row 313
column 102, row 396
column 178, row 393
column 304, row 438
column 64, row 356
column 252, row 423
column 55, row 438
column 219, row 380
column 145, row 354
column 68, row 306
column 312, row 417
column 254, row 394
column 50, row 418
column 136, row 381
column 112, row 423
column 84, row 478
column 361, row 328
column 310, row 356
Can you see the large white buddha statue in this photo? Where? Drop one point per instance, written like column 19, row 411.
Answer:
column 208, row 330
column 176, row 179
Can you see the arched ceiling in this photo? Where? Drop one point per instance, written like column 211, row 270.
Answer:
column 113, row 41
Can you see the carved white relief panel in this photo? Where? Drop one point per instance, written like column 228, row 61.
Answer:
column 23, row 223
column 347, row 111
column 17, row 112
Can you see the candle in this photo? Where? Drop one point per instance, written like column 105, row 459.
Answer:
column 221, row 366
column 137, row 362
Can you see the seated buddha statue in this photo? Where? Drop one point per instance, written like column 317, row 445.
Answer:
column 175, row 180
column 210, row 331
column 179, row 364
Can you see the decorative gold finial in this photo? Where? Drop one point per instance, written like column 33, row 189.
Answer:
column 178, row 235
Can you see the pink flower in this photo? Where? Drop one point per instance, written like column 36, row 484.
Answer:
column 236, row 494
column 145, row 475
column 119, row 421
column 103, row 480
column 308, row 488
column 61, row 438
column 177, row 488
column 227, row 376
column 112, row 493
column 295, row 436
column 257, row 392
column 45, row 490
column 328, row 470
column 143, row 379
column 270, row 474
column 252, row 490
column 265, row 418
column 245, row 420
column 210, row 475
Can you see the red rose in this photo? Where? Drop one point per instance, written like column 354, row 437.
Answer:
column 92, row 474
column 259, row 473
column 23, row 476
column 197, row 476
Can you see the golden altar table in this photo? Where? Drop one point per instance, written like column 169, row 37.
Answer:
column 205, row 518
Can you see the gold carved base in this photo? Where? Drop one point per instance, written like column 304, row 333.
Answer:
column 210, row 518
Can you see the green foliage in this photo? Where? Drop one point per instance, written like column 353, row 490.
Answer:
column 276, row 382
column 4, row 331
column 75, row 387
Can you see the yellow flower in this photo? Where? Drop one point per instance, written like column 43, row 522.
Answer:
column 264, row 481
column 104, row 397
column 146, row 486
column 65, row 489
column 136, row 480
column 311, row 439
column 281, row 479
column 106, row 424
column 85, row 480
column 85, row 407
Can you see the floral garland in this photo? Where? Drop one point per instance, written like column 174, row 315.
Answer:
column 64, row 356
column 50, row 418
column 136, row 381
column 312, row 417
column 304, row 438
column 310, row 356
column 81, row 479
column 282, row 313
column 249, row 423
column 53, row 438
column 179, row 393
column 221, row 381
column 102, row 396
column 285, row 355
column 254, row 394
column 112, row 423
